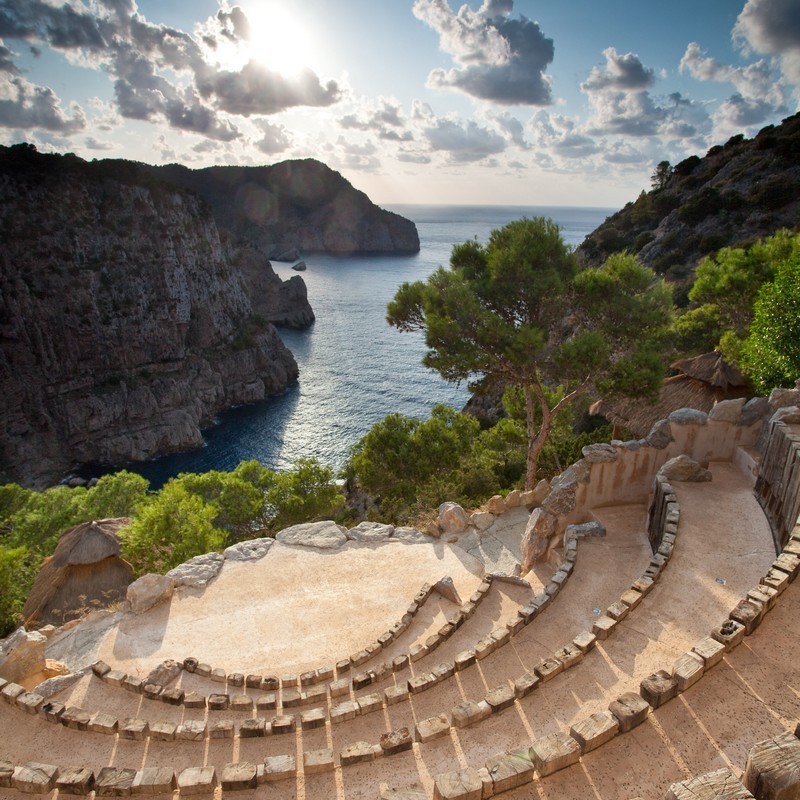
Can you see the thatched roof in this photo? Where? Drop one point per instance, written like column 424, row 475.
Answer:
column 713, row 369
column 86, row 564
column 705, row 380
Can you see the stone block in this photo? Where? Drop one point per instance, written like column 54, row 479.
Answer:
column 313, row 718
column 238, row 777
column 765, row 595
column 100, row 669
column 218, row 702
column 75, row 780
column 270, row 683
column 396, row 741
column 132, row 684
column 290, row 698
column 30, row 702
column 597, row 729
column 462, row 784
column 618, row 611
column 253, row 681
column 103, row 723
column 152, row 691
column 204, row 670
column 267, row 702
column 658, row 688
column 254, row 728
column 603, row 626
column 284, row 723
column 433, row 728
column 466, row 658
column 730, row 633
column 368, row 703
column 688, row 669
column 6, row 774
column 395, row 694
column 163, row 731
column 356, row 753
column 194, row 700
column 721, row 784
column 443, row 671
column 500, row 698
column 325, row 673
column 76, row 718
column 315, row 761
column 314, row 694
column 191, row 730
column 630, row 709
column 35, row 777
column 114, row 782
column 400, row 662
column 278, row 768
column 53, row 711
column 419, row 683
column 501, row 636
column 361, row 680
column 340, row 688
column 11, row 691
column 173, row 696
column 643, row 585
column 569, row 655
column 773, row 768
column 549, row 668
column 484, row 647
column 197, row 780
column 344, row 711
column 585, row 641
column 469, row 712
column 417, row 651
column 525, row 684
column 631, row 598
column 133, row 728
column 510, row 770
column 155, row 780
column 749, row 614
column 554, row 752
column 710, row 650
column 241, row 702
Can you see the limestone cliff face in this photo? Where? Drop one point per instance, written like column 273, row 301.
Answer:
column 124, row 325
column 300, row 205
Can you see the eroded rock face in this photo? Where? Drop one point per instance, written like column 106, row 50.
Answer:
column 22, row 654
column 197, row 571
column 125, row 324
column 540, row 529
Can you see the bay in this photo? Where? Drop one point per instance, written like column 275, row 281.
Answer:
column 354, row 368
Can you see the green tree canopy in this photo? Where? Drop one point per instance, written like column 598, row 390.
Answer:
column 520, row 310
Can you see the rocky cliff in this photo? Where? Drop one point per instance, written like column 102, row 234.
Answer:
column 739, row 192
column 125, row 325
column 295, row 206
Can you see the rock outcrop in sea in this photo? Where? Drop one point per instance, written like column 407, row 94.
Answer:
column 125, row 322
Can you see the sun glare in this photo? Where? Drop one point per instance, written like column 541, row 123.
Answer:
column 278, row 38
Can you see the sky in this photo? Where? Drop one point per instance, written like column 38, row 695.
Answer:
column 507, row 102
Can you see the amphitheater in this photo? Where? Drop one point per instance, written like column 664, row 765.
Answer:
column 650, row 651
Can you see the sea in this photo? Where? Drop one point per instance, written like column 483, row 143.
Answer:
column 354, row 368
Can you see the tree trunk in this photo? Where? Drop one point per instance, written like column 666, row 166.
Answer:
column 536, row 438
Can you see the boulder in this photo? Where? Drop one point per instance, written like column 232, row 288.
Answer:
column 22, row 655
column 660, row 435
column 149, row 591
column 482, row 520
column 496, row 505
column 755, row 409
column 447, row 589
column 683, row 468
column 688, row 416
column 165, row 673
column 85, row 572
column 584, row 529
column 599, row 453
column 534, row 497
column 412, row 535
column 514, row 499
column 325, row 535
column 251, row 550
column 787, row 414
column 779, row 398
column 452, row 518
column 538, row 532
column 727, row 410
column 197, row 571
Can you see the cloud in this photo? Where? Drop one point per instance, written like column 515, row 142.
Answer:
column 160, row 72
column 28, row 106
column 7, row 60
column 773, row 26
column 275, row 138
column 411, row 157
column 512, row 128
column 94, row 144
column 384, row 118
column 464, row 143
column 498, row 59
column 623, row 73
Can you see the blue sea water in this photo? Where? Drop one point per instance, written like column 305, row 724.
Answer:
column 354, row 368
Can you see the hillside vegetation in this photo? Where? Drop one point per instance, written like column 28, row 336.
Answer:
column 739, row 192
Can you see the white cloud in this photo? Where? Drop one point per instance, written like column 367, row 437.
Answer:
column 773, row 27
column 464, row 142
column 28, row 106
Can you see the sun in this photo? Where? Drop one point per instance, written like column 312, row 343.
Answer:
column 278, row 38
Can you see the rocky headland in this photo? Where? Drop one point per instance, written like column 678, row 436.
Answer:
column 126, row 323
column 295, row 206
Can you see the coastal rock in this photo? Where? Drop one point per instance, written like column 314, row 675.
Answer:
column 727, row 410
column 688, row 416
column 540, row 529
column 534, row 497
column 660, row 435
column 327, row 535
column 148, row 591
column 251, row 550
column 496, row 505
column 599, row 453
column 755, row 409
column 482, row 520
column 197, row 571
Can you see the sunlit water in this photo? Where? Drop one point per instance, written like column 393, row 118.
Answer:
column 354, row 368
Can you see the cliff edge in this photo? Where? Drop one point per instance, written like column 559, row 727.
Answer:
column 125, row 323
